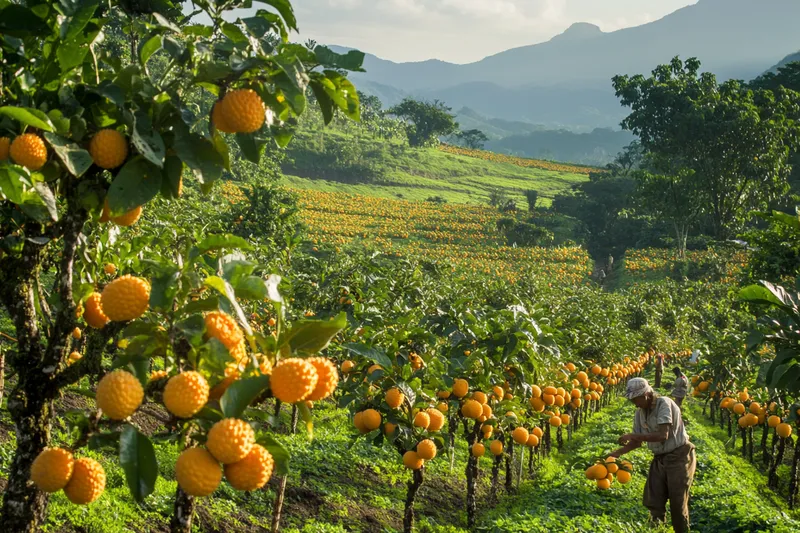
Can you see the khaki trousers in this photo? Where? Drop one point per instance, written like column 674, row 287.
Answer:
column 670, row 478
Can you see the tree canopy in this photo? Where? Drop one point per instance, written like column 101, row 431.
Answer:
column 426, row 121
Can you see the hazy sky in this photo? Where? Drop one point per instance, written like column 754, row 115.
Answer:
column 462, row 31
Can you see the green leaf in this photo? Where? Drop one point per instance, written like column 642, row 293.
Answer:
column 200, row 155
column 147, row 140
column 200, row 306
column 75, row 159
column 344, row 94
column 241, row 394
column 192, row 327
column 370, row 353
column 138, row 459
column 252, row 146
column 163, row 291
column 218, row 242
column 251, row 288
column 71, row 54
column 148, row 47
column 323, row 100
column 29, row 117
column 12, row 182
column 171, row 177
column 279, row 454
column 18, row 21
column 284, row 7
column 80, row 18
column 352, row 60
column 233, row 32
column 310, row 336
column 138, row 182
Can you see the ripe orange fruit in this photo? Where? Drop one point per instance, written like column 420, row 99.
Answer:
column 460, row 388
column 197, row 472
column 623, row 476
column 596, row 369
column 604, row 484
column 773, row 421
column 231, row 375
column 479, row 397
column 437, row 419
column 552, row 391
column 536, row 392
column 582, row 376
column 487, row 411
column 548, row 399
column 371, row 419
column 358, row 422
column 755, row 407
column 412, row 460
column 575, row 394
column 533, row 440
column 571, row 367
column 389, row 428
column 74, row 357
column 218, row 118
column 29, row 151
column 744, row 395
column 252, row 472
column 93, row 314
column 498, row 391
column 87, row 483
column 538, row 431
column 223, row 327
column 5, row 145
column 327, row 378
column 443, row 407
column 108, row 148
column 230, row 440
column 126, row 298
column 703, row 386
column 537, row 404
column 597, row 471
column 119, row 394
column 555, row 421
column 611, row 465
column 186, row 394
column 783, row 430
column 559, row 401
column 739, row 409
column 443, row 394
column 520, row 435
column 110, row 269
column 242, row 111
column 472, row 409
column 478, row 449
column 52, row 469
column 394, row 398
column 374, row 368
column 565, row 419
column 422, row 420
column 294, row 380
column 126, row 219
column 426, row 449
column 76, row 333
column 496, row 447
column 347, row 366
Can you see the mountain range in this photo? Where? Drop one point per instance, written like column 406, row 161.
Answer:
column 566, row 81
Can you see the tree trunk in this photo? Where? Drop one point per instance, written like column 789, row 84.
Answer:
column 794, row 482
column 183, row 513
column 764, row 435
column 509, row 466
column 498, row 459
column 773, row 471
column 413, row 487
column 294, row 418
column 276, row 511
column 472, row 476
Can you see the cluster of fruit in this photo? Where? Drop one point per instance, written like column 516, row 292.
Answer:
column 604, row 472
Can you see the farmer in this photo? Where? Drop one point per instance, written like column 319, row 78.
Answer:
column 681, row 386
column 658, row 423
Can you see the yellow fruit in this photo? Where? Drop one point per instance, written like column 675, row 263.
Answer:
column 537, row 404
column 87, row 483
column 223, row 327
column 487, row 411
column 437, row 419
column 389, row 428
column 412, row 460
column 327, row 378
column 293, row 380
column 460, row 388
column 555, row 421
column 703, row 386
column 597, row 471
column 739, row 409
column 550, row 390
column 478, row 449
column 538, row 432
column 472, row 409
column 604, row 484
column 565, row 419
column 773, row 421
column 623, row 476
column 498, row 392
column 536, row 392
column 230, row 440
column 52, row 469
column 426, row 449
column 108, row 148
column 5, row 144
column 443, row 407
column 347, row 366
column 76, row 333
column 480, row 397
column 119, row 394
column 218, row 118
column 371, row 419
column 374, row 368
column 110, row 269
column 611, row 465
column 582, row 376
column 197, row 472
column 394, row 398
column 93, row 314
column 252, row 472
column 596, row 369
column 74, row 357
column 242, row 111
column 570, row 367
column 559, row 401
column 422, row 420
column 443, row 394
column 186, row 394
column 520, row 435
column 533, row 440
column 126, row 219
column 496, row 447
column 126, row 298
column 783, row 430
column 755, row 407
column 29, row 151
column 548, row 399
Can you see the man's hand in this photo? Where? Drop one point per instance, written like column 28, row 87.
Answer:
column 626, row 439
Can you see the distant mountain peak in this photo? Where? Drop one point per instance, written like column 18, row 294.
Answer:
column 579, row 32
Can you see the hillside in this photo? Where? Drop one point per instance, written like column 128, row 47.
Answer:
column 337, row 161
column 565, row 81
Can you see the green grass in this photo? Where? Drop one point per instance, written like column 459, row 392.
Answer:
column 340, row 162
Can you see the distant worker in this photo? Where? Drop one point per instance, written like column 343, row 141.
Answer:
column 659, row 369
column 681, row 386
column 658, row 422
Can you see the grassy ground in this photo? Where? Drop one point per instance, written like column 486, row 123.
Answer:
column 334, row 161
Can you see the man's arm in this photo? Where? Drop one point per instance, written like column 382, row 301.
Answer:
column 631, row 441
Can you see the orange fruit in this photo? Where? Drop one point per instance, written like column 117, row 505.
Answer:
column 496, row 447
column 186, row 394
column 242, row 111
column 412, row 460
column 29, row 151
column 460, row 388
column 426, row 449
column 371, row 419
column 5, row 145
column 422, row 420
column 783, row 430
column 437, row 419
column 252, row 472
column 126, row 298
column 93, row 314
column 52, row 469
column 327, row 378
column 472, row 409
column 119, row 394
column 478, row 449
column 108, row 148
column 197, row 472
column 293, row 380
column 520, row 435
column 230, row 440
column 394, row 398
column 87, row 483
